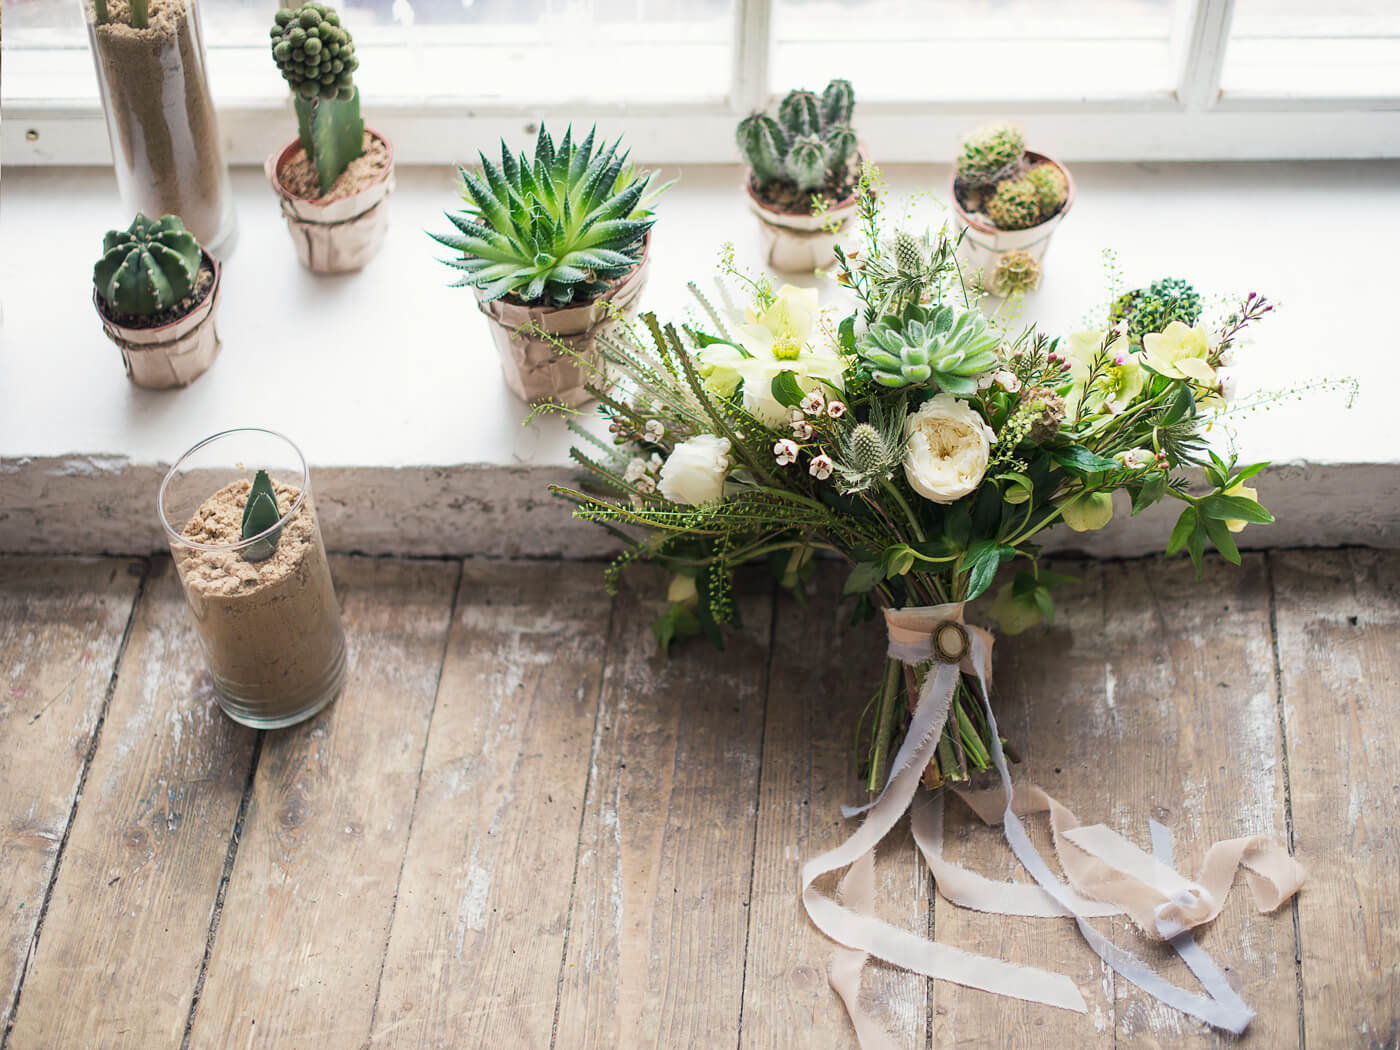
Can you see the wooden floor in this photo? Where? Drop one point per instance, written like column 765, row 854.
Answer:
column 521, row 827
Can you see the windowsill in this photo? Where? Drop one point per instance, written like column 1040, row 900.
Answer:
column 388, row 378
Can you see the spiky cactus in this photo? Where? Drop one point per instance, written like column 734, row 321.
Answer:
column 990, row 153
column 317, row 58
column 811, row 143
column 148, row 267
column 1015, row 205
column 1051, row 187
column 1152, row 308
column 929, row 346
column 557, row 231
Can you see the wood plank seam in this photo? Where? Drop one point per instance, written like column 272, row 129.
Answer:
column 78, row 796
column 594, row 747
column 1287, row 791
column 230, row 857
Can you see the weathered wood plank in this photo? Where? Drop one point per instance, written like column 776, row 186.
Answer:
column 306, row 917
column 483, row 903
column 61, row 627
column 656, row 944
column 823, row 674
column 1339, row 645
column 120, row 951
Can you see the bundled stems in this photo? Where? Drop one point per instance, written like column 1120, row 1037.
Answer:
column 884, row 727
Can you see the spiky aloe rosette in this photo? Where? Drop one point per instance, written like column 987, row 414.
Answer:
column 555, row 231
column 316, row 56
column 147, row 268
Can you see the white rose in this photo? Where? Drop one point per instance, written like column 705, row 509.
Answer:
column 947, row 449
column 694, row 472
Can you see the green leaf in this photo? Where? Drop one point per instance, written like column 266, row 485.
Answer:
column 1183, row 530
column 1237, row 508
column 864, row 577
column 677, row 622
column 786, row 390
column 846, row 334
column 260, row 513
column 984, row 557
column 1182, row 406
column 1045, row 603
column 957, row 523
column 1080, row 461
column 1153, row 487
column 1246, row 473
column 898, row 559
column 1196, row 547
column 1219, row 534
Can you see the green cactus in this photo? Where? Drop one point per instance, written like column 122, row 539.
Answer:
column 1152, row 308
column 260, row 513
column 811, row 143
column 317, row 58
column 1051, row 187
column 1015, row 205
column 990, row 152
column 148, row 267
column 929, row 346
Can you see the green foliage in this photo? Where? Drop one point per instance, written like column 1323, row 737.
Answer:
column 317, row 58
column 559, row 230
column 990, row 152
column 1152, row 308
column 935, row 346
column 1015, row 205
column 260, row 514
column 148, row 267
column 811, row 143
column 1051, row 187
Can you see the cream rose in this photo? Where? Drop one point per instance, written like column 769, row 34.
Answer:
column 694, row 472
column 946, row 451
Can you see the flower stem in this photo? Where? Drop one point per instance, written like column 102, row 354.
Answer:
column 884, row 727
column 893, row 490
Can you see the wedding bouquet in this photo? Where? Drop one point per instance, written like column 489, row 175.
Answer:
column 922, row 445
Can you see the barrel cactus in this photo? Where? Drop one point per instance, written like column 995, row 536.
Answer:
column 1015, row 205
column 811, row 143
column 1152, row 308
column 1051, row 187
column 990, row 153
column 317, row 58
column 147, row 268
column 929, row 346
column 559, row 230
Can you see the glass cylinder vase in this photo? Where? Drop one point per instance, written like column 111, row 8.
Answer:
column 160, row 117
column 264, row 605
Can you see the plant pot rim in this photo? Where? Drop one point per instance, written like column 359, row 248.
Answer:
column 601, row 297
column 763, row 205
column 204, row 300
column 282, row 157
column 984, row 227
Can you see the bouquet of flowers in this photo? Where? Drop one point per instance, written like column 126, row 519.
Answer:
column 923, row 445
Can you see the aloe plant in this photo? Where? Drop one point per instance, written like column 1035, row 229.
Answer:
column 317, row 58
column 557, row 230
column 260, row 513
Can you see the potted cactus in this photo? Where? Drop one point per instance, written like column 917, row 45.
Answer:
column 1151, row 309
column 801, row 181
column 156, row 291
column 1006, row 198
column 335, row 177
column 545, row 244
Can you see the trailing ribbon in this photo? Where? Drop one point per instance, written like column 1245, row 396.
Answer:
column 1107, row 874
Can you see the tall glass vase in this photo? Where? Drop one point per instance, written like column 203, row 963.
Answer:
column 160, row 116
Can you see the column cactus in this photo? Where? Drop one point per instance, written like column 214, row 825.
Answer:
column 811, row 144
column 147, row 268
column 316, row 56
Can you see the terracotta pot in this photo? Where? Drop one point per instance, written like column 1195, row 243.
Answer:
column 341, row 235
column 175, row 354
column 798, row 242
column 983, row 244
column 534, row 370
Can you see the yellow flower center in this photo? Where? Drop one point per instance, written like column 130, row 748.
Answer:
column 786, row 348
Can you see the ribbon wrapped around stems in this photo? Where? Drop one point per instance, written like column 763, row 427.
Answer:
column 1107, row 874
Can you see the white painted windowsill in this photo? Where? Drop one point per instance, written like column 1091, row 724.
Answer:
column 389, row 382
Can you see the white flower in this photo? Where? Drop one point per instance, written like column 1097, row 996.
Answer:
column 694, row 472
column 654, row 463
column 645, row 484
column 813, row 403
column 820, row 467
column 636, row 469
column 802, row 430
column 785, row 452
column 947, row 447
column 654, row 431
column 836, row 409
column 1136, row 458
column 681, row 589
column 1006, row 380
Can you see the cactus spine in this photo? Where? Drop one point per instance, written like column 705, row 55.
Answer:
column 990, row 152
column 317, row 58
column 811, row 143
column 1051, row 187
column 148, row 267
column 1015, row 205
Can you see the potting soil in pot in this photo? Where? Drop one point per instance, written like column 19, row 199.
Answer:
column 298, row 176
column 786, row 197
column 202, row 283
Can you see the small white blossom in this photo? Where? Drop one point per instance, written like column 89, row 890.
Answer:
column 636, row 469
column 985, row 381
column 654, row 464
column 802, row 430
column 836, row 409
column 785, row 452
column 1007, row 381
column 654, row 431
column 645, row 484
column 820, row 467
column 1136, row 458
column 814, row 403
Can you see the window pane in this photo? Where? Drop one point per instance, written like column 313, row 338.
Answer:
column 901, row 50
column 1299, row 48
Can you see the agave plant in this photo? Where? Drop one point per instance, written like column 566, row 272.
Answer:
column 555, row 232
column 929, row 345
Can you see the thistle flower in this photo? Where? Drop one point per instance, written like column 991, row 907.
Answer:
column 870, row 452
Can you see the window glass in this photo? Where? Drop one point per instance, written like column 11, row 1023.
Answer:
column 1300, row 48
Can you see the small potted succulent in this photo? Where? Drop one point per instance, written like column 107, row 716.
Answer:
column 335, row 177
column 545, row 245
column 156, row 291
column 1006, row 198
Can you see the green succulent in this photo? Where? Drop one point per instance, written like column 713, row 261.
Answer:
column 933, row 345
column 1152, row 308
column 148, row 267
column 1015, row 205
column 1051, row 187
column 317, row 58
column 868, row 453
column 260, row 513
column 810, row 144
column 990, row 152
column 557, row 231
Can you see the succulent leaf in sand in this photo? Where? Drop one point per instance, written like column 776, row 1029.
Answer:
column 811, row 143
column 929, row 346
column 148, row 267
column 558, row 231
column 317, row 58
column 260, row 513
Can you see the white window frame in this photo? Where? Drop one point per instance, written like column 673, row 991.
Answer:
column 1191, row 121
